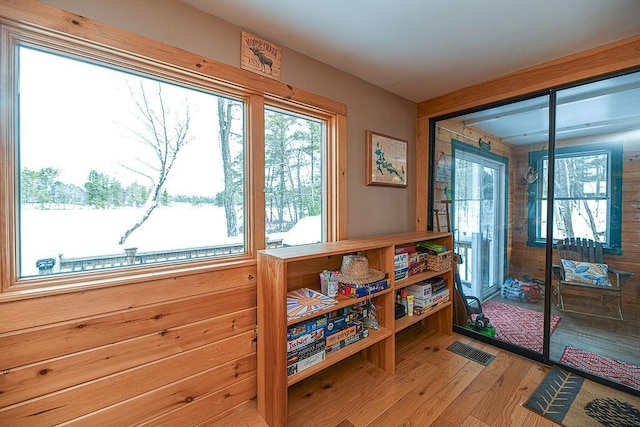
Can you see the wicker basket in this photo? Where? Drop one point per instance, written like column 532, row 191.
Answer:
column 440, row 262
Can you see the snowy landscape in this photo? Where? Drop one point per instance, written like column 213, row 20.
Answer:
column 74, row 232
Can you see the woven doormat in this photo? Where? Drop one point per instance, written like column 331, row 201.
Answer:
column 574, row 401
column 615, row 370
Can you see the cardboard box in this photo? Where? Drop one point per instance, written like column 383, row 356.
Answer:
column 401, row 249
column 426, row 288
column 310, row 325
column 413, row 258
column 336, row 324
column 305, row 339
column 422, row 302
column 418, row 310
column 401, row 258
column 354, row 291
column 417, row 267
column 340, row 335
column 305, row 352
column 420, row 290
column 400, row 265
column 306, row 363
column 364, row 333
column 440, row 295
column 401, row 274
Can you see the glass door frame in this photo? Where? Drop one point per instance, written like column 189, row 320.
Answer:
column 501, row 191
column 551, row 93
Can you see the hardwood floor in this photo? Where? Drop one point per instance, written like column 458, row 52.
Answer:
column 431, row 387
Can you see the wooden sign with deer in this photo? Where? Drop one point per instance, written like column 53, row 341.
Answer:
column 260, row 56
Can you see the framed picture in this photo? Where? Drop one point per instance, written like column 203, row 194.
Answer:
column 386, row 160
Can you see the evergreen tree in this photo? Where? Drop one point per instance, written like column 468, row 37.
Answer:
column 97, row 188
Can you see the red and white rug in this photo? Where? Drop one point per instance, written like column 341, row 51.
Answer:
column 616, row 370
column 517, row 325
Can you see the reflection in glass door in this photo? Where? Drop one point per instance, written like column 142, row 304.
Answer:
column 479, row 218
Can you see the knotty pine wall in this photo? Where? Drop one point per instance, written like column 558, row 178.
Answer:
column 179, row 350
column 157, row 350
column 523, row 259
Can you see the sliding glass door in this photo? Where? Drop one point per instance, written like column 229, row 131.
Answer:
column 596, row 188
column 544, row 193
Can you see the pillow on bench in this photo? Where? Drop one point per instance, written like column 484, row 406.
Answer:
column 589, row 273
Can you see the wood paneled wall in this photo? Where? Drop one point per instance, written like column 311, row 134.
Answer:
column 181, row 348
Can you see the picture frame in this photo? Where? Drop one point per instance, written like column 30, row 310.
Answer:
column 386, row 160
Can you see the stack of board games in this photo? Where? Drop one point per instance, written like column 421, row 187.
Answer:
column 309, row 342
column 428, row 293
column 345, row 326
column 408, row 260
column 306, row 344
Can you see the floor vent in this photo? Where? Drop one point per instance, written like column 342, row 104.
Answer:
column 471, row 353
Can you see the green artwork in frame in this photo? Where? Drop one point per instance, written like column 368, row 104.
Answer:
column 386, row 160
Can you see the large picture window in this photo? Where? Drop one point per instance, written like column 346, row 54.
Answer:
column 120, row 165
column 119, row 169
column 587, row 194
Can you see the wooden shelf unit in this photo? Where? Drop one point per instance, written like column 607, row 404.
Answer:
column 285, row 269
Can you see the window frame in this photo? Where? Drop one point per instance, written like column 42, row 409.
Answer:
column 614, row 191
column 325, row 151
column 145, row 58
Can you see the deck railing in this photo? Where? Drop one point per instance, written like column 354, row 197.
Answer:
column 132, row 257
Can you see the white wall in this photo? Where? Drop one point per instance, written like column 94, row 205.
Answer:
column 371, row 210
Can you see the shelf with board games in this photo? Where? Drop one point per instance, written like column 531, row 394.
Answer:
column 412, row 280
column 375, row 335
column 423, row 273
column 302, row 331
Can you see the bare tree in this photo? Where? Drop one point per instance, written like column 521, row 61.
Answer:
column 564, row 176
column 163, row 134
column 225, row 118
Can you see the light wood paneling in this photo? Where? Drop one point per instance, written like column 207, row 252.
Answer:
column 90, row 366
column 96, row 395
column 35, row 344
column 38, row 311
column 30, row 381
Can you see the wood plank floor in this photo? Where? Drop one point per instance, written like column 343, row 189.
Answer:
column 431, row 387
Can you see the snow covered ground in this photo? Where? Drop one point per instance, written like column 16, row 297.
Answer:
column 46, row 233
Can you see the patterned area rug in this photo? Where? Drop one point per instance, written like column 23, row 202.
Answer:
column 517, row 325
column 616, row 370
column 574, row 401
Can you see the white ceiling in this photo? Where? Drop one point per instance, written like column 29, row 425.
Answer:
column 420, row 49
column 604, row 107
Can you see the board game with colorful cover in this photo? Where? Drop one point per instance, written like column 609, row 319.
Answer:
column 304, row 301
